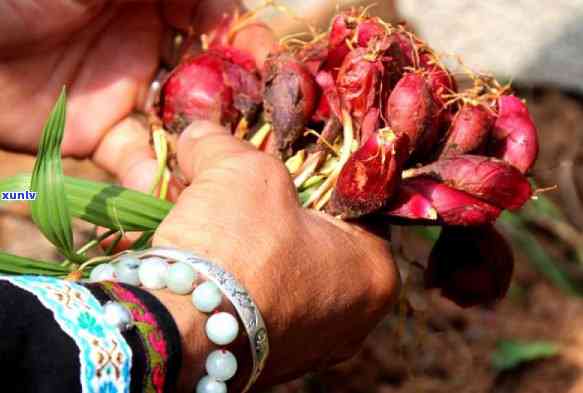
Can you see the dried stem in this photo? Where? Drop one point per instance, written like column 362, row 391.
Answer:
column 348, row 137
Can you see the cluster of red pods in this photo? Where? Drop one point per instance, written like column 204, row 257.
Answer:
column 370, row 123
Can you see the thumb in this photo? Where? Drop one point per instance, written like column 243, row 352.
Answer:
column 204, row 144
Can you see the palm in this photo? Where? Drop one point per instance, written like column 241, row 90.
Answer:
column 105, row 64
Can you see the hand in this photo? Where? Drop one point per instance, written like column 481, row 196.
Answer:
column 320, row 283
column 106, row 52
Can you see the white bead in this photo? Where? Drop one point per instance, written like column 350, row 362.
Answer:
column 103, row 272
column 221, row 365
column 126, row 270
column 208, row 384
column 180, row 278
column 222, row 328
column 117, row 315
column 152, row 273
column 206, row 297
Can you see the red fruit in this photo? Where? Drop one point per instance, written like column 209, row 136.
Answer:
column 370, row 177
column 492, row 180
column 314, row 55
column 402, row 51
column 441, row 84
column 329, row 99
column 471, row 266
column 358, row 82
column 370, row 124
column 340, row 31
column 398, row 56
column 411, row 110
column 369, row 30
column 209, row 87
column 453, row 207
column 469, row 131
column 411, row 205
column 289, row 97
column 514, row 136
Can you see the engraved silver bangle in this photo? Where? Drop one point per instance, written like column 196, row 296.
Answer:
column 238, row 296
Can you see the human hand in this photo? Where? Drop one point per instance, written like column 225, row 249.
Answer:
column 106, row 52
column 320, row 283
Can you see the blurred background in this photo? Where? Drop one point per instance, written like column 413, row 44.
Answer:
column 533, row 340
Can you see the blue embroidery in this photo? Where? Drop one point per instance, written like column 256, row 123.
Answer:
column 108, row 388
column 86, row 321
column 104, row 355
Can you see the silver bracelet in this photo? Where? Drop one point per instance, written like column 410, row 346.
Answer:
column 239, row 297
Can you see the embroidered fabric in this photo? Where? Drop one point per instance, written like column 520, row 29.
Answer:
column 151, row 334
column 104, row 355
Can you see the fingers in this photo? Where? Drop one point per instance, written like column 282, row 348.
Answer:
column 108, row 78
column 124, row 146
column 203, row 144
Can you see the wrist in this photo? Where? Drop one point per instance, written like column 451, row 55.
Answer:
column 204, row 300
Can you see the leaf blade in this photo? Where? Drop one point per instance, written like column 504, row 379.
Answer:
column 49, row 210
column 511, row 353
column 105, row 204
column 13, row 264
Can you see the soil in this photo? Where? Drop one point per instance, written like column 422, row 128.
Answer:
column 439, row 348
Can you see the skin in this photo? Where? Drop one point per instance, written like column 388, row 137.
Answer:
column 321, row 284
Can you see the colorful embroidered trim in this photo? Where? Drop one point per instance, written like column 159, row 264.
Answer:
column 104, row 355
column 151, row 336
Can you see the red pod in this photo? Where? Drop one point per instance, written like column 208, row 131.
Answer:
column 471, row 266
column 441, row 84
column 358, row 82
column 514, row 136
column 341, row 30
column 468, row 132
column 411, row 205
column 398, row 56
column 370, row 177
column 490, row 179
column 329, row 103
column 370, row 124
column 209, row 87
column 454, row 207
column 289, row 98
column 369, row 30
column 411, row 110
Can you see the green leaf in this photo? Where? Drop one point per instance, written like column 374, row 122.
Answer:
column 543, row 206
column 12, row 264
column 105, row 204
column 430, row 233
column 510, row 353
column 49, row 210
column 143, row 241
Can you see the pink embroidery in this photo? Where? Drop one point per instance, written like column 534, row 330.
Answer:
column 158, row 343
column 152, row 338
column 158, row 376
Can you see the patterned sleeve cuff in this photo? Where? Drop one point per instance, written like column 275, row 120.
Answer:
column 154, row 339
column 57, row 339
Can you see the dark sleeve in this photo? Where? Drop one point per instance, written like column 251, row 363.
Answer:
column 38, row 354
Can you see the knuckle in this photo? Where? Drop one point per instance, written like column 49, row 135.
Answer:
column 266, row 166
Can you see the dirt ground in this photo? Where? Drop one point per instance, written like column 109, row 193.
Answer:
column 440, row 348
